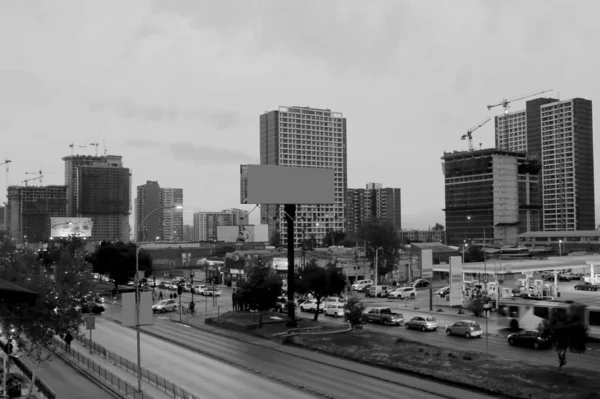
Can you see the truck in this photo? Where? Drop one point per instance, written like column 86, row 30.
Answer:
column 383, row 316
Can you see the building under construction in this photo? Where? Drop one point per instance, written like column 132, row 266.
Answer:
column 29, row 211
column 99, row 187
column 491, row 194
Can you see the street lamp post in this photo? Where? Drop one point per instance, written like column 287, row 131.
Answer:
column 376, row 264
column 559, row 247
column 137, row 296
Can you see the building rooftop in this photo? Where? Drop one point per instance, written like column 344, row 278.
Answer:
column 456, row 155
column 545, row 234
column 433, row 246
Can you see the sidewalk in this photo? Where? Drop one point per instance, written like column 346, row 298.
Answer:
column 118, row 371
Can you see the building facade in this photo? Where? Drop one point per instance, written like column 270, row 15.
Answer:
column 373, row 203
column 2, row 218
column 159, row 213
column 310, row 138
column 490, row 194
column 559, row 134
column 187, row 233
column 29, row 210
column 205, row 223
column 409, row 236
column 99, row 187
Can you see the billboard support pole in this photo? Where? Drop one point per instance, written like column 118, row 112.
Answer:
column 290, row 215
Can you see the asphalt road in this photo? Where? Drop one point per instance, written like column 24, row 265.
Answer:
column 199, row 374
column 66, row 381
column 213, row 378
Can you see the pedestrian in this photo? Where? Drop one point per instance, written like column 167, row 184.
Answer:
column 175, row 295
column 170, row 295
column 160, row 296
column 234, row 297
column 68, row 339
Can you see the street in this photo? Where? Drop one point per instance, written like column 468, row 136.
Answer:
column 204, row 375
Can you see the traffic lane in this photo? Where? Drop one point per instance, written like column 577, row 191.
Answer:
column 192, row 371
column 495, row 345
column 333, row 381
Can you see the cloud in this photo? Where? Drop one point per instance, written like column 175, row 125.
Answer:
column 220, row 119
column 189, row 151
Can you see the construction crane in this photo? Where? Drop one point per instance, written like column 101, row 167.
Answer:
column 6, row 162
column 469, row 133
column 73, row 146
column 505, row 102
column 40, row 177
column 95, row 145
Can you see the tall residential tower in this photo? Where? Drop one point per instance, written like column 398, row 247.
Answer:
column 157, row 208
column 310, row 138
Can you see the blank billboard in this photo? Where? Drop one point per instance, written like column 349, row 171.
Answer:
column 65, row 227
column 268, row 184
column 128, row 317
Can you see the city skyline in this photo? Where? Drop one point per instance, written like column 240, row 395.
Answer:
column 177, row 88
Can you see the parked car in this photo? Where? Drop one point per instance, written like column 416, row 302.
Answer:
column 361, row 285
column 443, row 291
column 211, row 291
column 420, row 283
column 335, row 310
column 565, row 276
column 162, row 285
column 199, row 289
column 379, row 291
column 310, row 306
column 166, row 305
column 384, row 316
column 332, row 301
column 423, row 323
column 585, row 286
column 402, row 293
column 531, row 339
column 466, row 328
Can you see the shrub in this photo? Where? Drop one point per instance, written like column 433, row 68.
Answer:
column 354, row 309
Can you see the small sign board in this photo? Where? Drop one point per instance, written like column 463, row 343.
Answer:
column 90, row 323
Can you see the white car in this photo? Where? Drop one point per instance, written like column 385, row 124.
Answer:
column 331, row 301
column 166, row 305
column 310, row 306
column 403, row 292
column 211, row 291
column 199, row 289
column 335, row 310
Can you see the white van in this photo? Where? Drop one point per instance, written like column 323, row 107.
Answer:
column 361, row 285
column 378, row 291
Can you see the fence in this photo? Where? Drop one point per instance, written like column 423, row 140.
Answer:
column 159, row 382
column 39, row 384
column 121, row 385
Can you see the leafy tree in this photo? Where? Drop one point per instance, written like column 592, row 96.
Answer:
column 261, row 288
column 354, row 308
column 60, row 290
column 438, row 227
column 338, row 237
column 275, row 240
column 382, row 235
column 320, row 282
column 566, row 332
column 117, row 260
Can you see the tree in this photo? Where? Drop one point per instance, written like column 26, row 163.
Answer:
column 565, row 332
column 261, row 288
column 117, row 260
column 338, row 237
column 354, row 308
column 60, row 290
column 382, row 235
column 320, row 282
column 438, row 227
column 275, row 240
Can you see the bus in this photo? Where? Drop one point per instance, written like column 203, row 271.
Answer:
column 525, row 313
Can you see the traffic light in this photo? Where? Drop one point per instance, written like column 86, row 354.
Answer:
column 179, row 289
column 191, row 274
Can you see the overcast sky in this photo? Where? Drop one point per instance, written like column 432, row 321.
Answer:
column 177, row 87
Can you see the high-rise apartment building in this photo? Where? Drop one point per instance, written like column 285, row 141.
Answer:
column 99, row 187
column 491, row 194
column 187, row 233
column 2, row 218
column 310, row 138
column 29, row 211
column 159, row 213
column 205, row 223
column 373, row 203
column 560, row 135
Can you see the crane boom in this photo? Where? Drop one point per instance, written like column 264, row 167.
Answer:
column 506, row 102
column 469, row 133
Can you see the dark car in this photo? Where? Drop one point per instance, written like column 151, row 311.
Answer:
column 587, row 287
column 531, row 339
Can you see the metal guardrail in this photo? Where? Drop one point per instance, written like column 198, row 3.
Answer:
column 39, row 384
column 120, row 384
column 159, row 382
